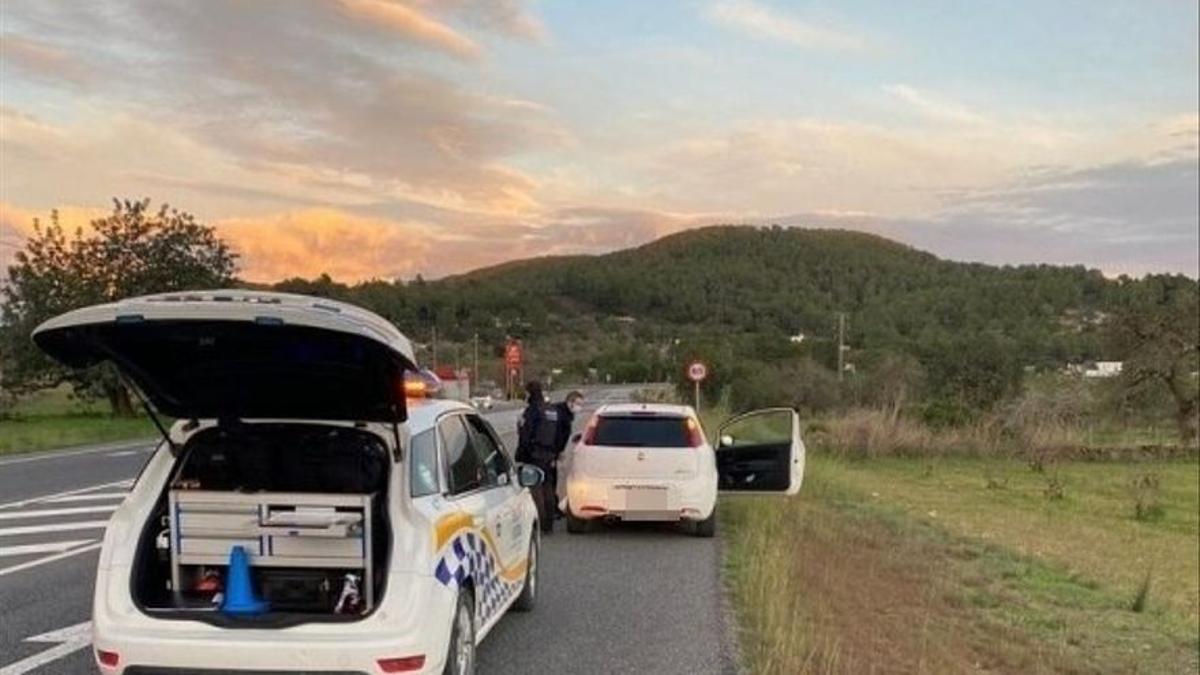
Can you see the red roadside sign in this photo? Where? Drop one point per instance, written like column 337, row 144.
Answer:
column 697, row 371
column 512, row 354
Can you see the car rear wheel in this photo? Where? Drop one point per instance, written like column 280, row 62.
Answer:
column 707, row 527
column 460, row 658
column 576, row 525
column 528, row 597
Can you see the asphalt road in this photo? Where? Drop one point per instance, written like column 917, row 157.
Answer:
column 620, row 599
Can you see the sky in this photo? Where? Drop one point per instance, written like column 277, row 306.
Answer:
column 390, row 138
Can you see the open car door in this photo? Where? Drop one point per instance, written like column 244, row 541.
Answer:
column 761, row 452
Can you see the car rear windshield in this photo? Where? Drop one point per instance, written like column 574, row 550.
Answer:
column 642, row 431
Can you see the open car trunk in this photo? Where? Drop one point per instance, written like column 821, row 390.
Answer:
column 306, row 502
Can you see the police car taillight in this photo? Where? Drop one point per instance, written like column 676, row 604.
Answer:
column 403, row 664
column 108, row 659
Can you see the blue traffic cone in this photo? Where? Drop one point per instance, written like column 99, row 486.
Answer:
column 239, row 594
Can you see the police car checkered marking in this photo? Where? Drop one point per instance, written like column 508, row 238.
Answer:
column 469, row 555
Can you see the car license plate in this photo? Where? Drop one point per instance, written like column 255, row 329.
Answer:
column 645, row 498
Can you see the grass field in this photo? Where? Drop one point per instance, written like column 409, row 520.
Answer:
column 955, row 565
column 54, row 419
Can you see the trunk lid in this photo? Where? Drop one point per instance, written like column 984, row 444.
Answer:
column 242, row 354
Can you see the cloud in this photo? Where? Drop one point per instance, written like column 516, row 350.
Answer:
column 370, row 117
column 310, row 242
column 411, row 23
column 42, row 60
column 938, row 110
column 771, row 165
column 767, row 23
column 352, row 247
column 1131, row 217
column 506, row 16
column 16, row 225
column 343, row 115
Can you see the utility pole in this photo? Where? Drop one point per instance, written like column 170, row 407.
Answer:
column 433, row 342
column 475, row 361
column 841, row 360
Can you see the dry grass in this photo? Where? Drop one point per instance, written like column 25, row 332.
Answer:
column 840, row 581
column 866, row 433
column 1080, row 516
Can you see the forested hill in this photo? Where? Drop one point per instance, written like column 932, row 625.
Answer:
column 738, row 281
column 793, row 280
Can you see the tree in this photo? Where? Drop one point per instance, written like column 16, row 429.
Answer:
column 132, row 251
column 970, row 374
column 889, row 381
column 1155, row 328
column 802, row 383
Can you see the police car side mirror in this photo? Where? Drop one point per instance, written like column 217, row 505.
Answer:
column 530, row 476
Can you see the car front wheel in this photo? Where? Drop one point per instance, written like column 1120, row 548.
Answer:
column 460, row 659
column 528, row 597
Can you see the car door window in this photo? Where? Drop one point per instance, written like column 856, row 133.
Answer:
column 501, row 506
column 495, row 462
column 464, row 469
column 423, row 459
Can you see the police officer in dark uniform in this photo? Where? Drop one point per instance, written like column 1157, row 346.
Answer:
column 570, row 406
column 567, row 410
column 537, row 433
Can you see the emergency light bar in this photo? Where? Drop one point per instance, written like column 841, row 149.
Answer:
column 421, row 384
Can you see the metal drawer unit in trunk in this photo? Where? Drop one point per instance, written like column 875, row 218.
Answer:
column 277, row 529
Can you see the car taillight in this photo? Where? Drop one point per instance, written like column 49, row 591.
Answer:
column 589, row 434
column 695, row 433
column 403, row 664
column 108, row 659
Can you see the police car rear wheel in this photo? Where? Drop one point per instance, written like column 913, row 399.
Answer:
column 528, row 597
column 460, row 660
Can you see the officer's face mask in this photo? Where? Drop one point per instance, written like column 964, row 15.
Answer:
column 575, row 406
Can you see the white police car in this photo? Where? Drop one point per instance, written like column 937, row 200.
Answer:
column 652, row 462
column 301, row 513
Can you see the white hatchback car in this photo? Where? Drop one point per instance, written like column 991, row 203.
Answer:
column 652, row 462
column 301, row 514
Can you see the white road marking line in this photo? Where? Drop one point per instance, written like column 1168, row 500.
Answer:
column 143, row 444
column 52, row 547
column 53, row 527
column 95, row 497
column 33, row 500
column 65, row 634
column 71, row 639
column 123, row 453
column 48, row 559
column 46, row 513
